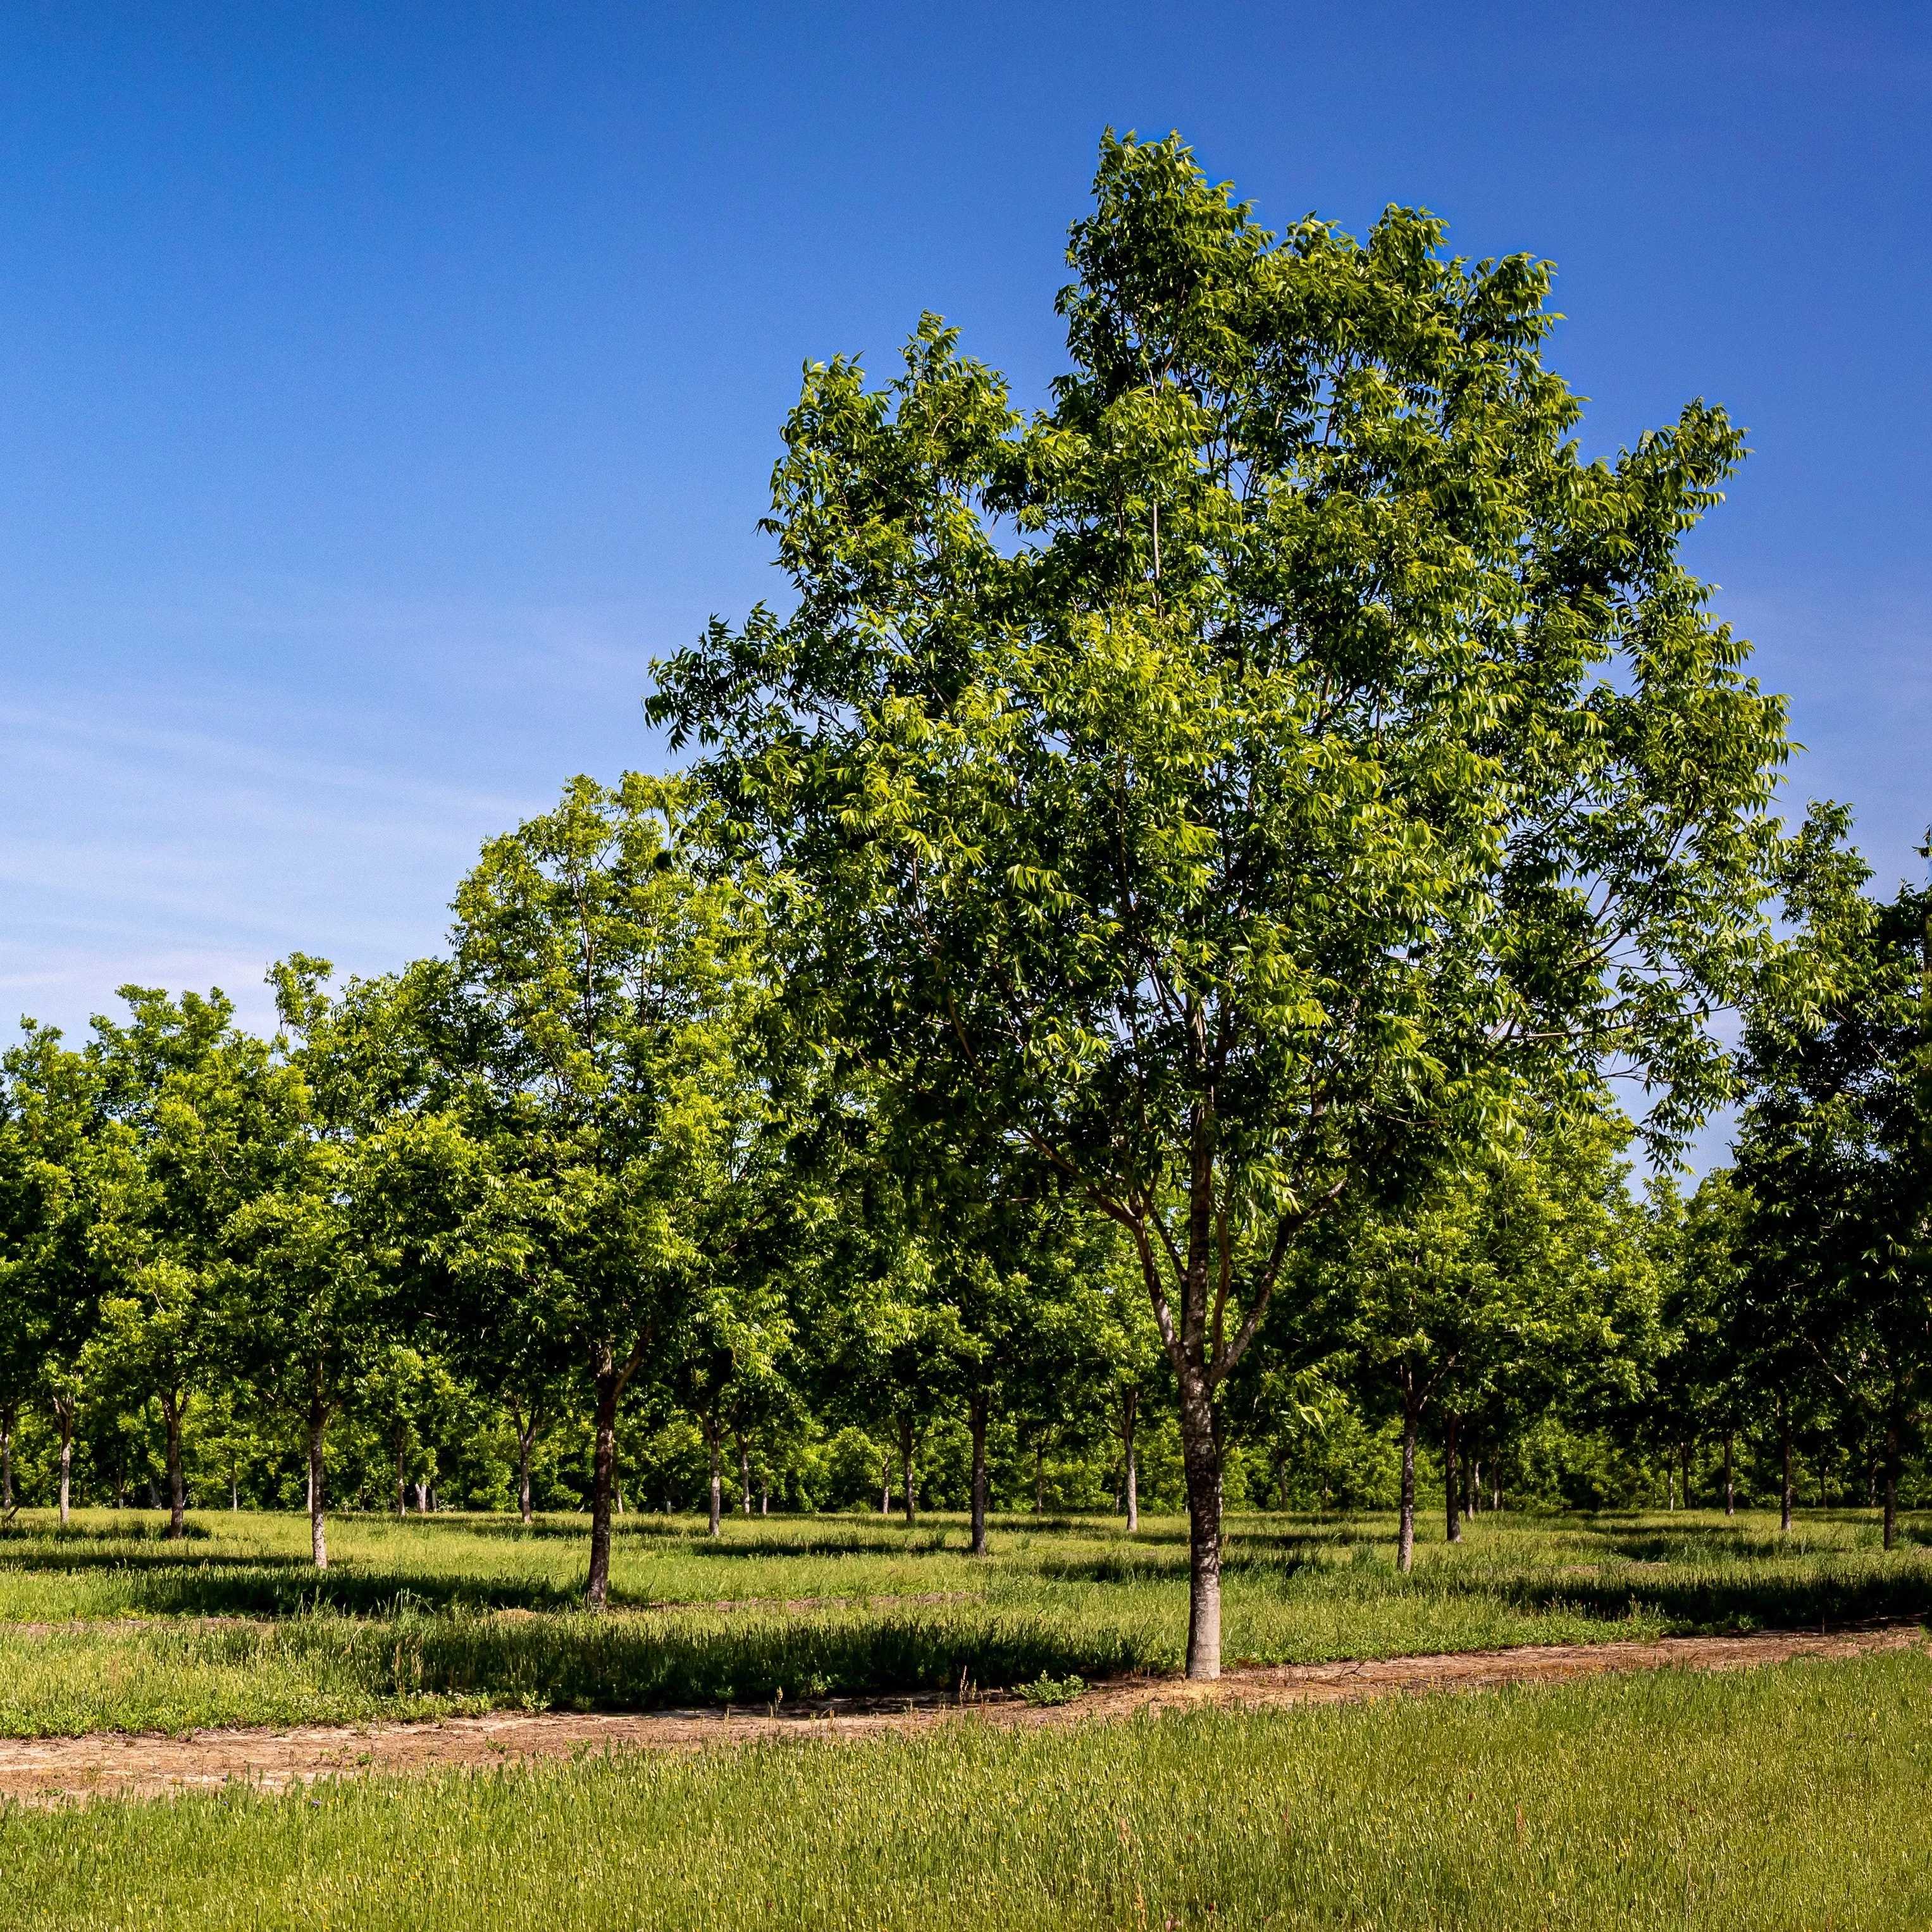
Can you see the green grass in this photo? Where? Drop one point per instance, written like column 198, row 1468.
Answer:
column 1786, row 1797
column 458, row 1613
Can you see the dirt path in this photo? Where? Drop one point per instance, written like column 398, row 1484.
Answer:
column 52, row 1769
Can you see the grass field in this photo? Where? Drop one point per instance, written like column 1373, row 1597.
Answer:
column 1790, row 1797
column 107, row 1626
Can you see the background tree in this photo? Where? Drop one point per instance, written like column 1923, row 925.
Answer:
column 51, row 1156
column 610, row 978
column 1834, row 1154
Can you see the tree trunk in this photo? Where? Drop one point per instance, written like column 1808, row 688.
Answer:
column 976, row 1418
column 1038, row 1479
column 1784, row 1514
column 400, row 1440
column 7, row 1415
column 526, row 1436
column 1130, row 1480
column 1452, row 1477
column 422, row 1499
column 1730, row 1486
column 64, row 1416
column 744, row 1474
column 1891, row 1479
column 1475, row 1485
column 234, row 1490
column 764, row 1496
column 1404, row 1560
column 1685, row 1453
column 1201, row 1459
column 609, row 1385
column 906, row 1468
column 713, row 1448
column 886, row 1480
column 171, row 1415
column 1669, row 1484
column 318, row 1475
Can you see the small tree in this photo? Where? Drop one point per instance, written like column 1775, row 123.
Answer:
column 610, row 979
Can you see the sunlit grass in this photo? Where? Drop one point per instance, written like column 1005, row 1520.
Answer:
column 427, row 1617
column 1789, row 1797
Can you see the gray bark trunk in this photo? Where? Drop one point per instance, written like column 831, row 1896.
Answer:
column 1784, row 1499
column 1891, row 1481
column 744, row 1476
column 906, row 1469
column 171, row 1415
column 1404, row 1560
column 1201, row 1460
column 1130, row 1403
column 7, row 1416
column 1730, row 1485
column 64, row 1414
column 1452, row 1479
column 603, row 1473
column 318, row 1528
column 976, row 1421
column 711, row 1449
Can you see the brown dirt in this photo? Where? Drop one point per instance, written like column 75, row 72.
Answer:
column 46, row 1770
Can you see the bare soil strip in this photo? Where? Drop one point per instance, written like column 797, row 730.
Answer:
column 52, row 1770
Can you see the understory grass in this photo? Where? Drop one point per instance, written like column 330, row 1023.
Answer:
column 1785, row 1798
column 107, row 1626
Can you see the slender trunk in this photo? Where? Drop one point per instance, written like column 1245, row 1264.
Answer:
column 64, row 1416
column 1730, row 1486
column 1404, row 1560
column 1452, row 1476
column 234, row 1491
column 526, row 1437
column 7, row 1415
column 764, row 1496
column 1669, row 1484
column 976, row 1419
column 744, row 1474
column 318, row 1530
column 1475, row 1486
column 1038, row 1479
column 609, row 1384
column 906, row 1468
column 400, row 1442
column 1201, row 1459
column 712, row 1446
column 1685, row 1453
column 1130, row 1407
column 1784, row 1501
column 171, row 1415
column 1891, row 1479
column 422, row 1499
column 886, row 1480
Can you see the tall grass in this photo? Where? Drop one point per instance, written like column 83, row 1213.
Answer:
column 1791, row 1797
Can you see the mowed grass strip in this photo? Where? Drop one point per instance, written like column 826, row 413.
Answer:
column 1791, row 1796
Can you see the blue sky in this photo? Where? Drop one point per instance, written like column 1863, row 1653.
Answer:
column 381, row 389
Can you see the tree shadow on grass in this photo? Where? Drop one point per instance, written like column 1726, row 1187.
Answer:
column 1739, row 1597
column 165, row 1586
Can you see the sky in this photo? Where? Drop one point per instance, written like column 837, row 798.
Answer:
column 381, row 388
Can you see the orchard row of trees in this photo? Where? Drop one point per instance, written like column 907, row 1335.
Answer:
column 1163, row 919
